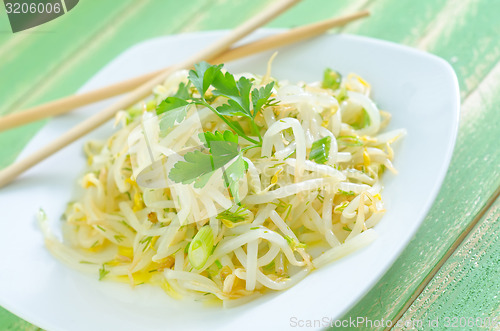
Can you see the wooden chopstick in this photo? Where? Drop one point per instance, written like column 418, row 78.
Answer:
column 289, row 37
column 14, row 170
column 67, row 104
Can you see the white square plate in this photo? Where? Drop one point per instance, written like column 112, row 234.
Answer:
column 420, row 91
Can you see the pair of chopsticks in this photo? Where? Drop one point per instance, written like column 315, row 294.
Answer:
column 66, row 104
column 141, row 86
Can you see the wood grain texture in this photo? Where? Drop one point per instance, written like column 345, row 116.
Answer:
column 467, row 288
column 80, row 56
column 80, row 53
column 474, row 173
column 465, row 33
column 313, row 10
column 93, row 122
column 28, row 57
column 399, row 21
column 10, row 322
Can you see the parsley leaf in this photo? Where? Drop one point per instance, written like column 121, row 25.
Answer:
column 237, row 92
column 225, row 85
column 231, row 108
column 224, row 150
column 223, row 146
column 320, row 150
column 237, row 126
column 208, row 137
column 203, row 76
column 172, row 110
column 197, row 168
column 170, row 103
column 260, row 97
column 233, row 174
column 183, row 91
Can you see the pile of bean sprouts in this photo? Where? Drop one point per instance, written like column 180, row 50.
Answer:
column 296, row 216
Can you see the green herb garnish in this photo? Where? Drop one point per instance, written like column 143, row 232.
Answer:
column 103, row 272
column 320, row 198
column 342, row 95
column 269, row 267
column 320, row 150
column 201, row 247
column 348, row 193
column 223, row 148
column 236, row 216
column 363, row 121
column 341, row 207
column 119, row 238
column 87, row 262
column 331, row 79
column 349, row 141
column 218, row 264
column 294, row 244
column 146, row 241
column 127, row 225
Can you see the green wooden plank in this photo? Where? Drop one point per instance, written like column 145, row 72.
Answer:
column 462, row 195
column 146, row 20
column 412, row 22
column 463, row 33
column 398, row 21
column 129, row 32
column 133, row 30
column 128, row 29
column 163, row 18
column 309, row 11
column 29, row 58
column 13, row 141
column 466, row 290
column 10, row 322
column 224, row 15
column 85, row 56
column 469, row 41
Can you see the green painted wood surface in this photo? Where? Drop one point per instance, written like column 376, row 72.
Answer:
column 55, row 59
column 10, row 322
column 474, row 172
column 466, row 290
